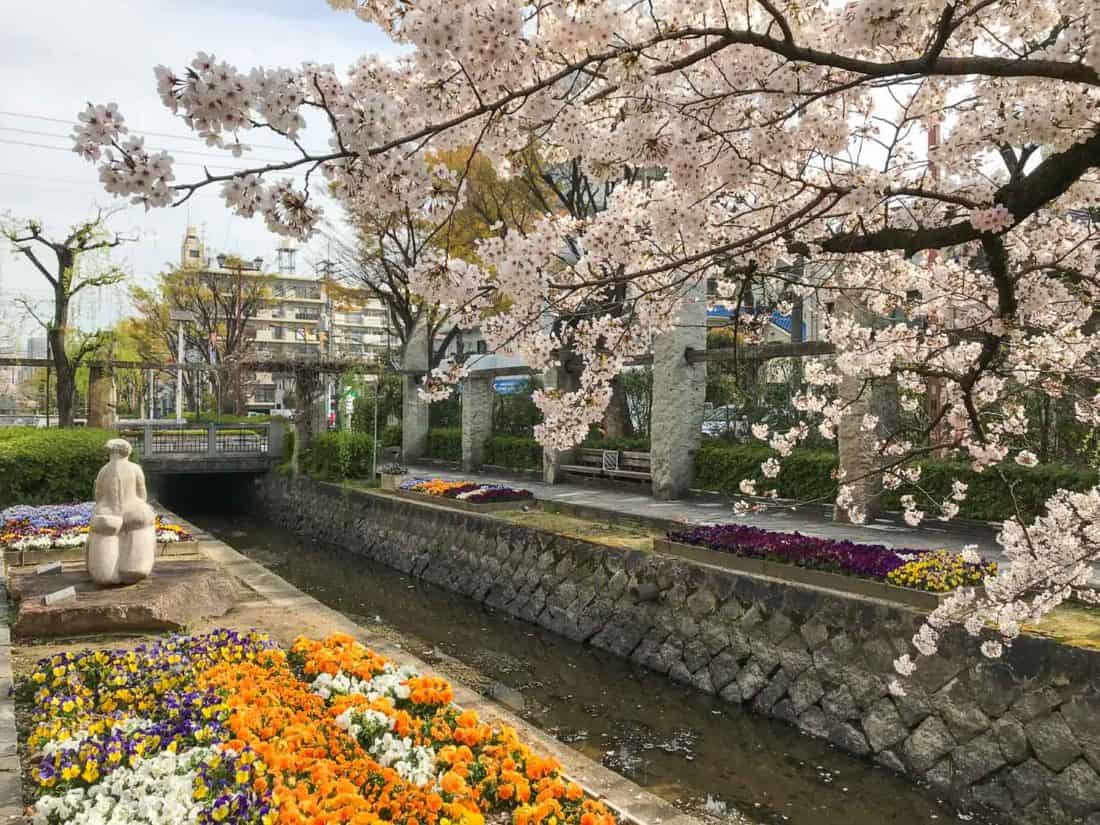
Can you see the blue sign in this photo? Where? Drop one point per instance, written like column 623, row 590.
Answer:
column 511, row 385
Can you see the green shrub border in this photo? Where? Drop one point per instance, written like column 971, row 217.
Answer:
column 50, row 466
column 445, row 443
column 807, row 475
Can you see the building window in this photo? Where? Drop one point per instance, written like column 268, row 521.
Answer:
column 192, row 253
column 482, row 348
column 279, row 333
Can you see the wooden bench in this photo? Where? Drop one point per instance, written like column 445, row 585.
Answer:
column 590, row 462
column 632, row 465
column 610, row 464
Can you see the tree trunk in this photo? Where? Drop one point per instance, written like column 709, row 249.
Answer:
column 65, row 374
column 616, row 420
column 306, row 385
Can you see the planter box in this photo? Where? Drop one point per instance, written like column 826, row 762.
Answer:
column 851, row 585
column 391, row 481
column 455, row 504
column 18, row 558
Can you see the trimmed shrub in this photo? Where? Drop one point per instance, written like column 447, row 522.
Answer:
column 989, row 495
column 336, row 456
column 513, row 451
column 391, row 435
column 806, row 475
column 445, row 443
column 50, row 466
column 635, row 443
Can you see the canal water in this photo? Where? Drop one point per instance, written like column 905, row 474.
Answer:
column 702, row 754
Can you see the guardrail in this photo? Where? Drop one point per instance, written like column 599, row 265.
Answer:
column 164, row 439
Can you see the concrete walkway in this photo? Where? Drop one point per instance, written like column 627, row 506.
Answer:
column 710, row 509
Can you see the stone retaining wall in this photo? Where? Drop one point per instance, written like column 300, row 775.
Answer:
column 1019, row 737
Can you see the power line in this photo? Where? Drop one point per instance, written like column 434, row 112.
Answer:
column 72, row 121
column 172, row 151
column 179, row 163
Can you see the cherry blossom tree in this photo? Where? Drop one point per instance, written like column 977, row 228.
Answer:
column 784, row 130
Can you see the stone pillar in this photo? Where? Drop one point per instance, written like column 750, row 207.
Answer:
column 860, row 396
column 414, row 410
column 276, row 439
column 102, row 397
column 679, row 398
column 477, row 419
column 557, row 378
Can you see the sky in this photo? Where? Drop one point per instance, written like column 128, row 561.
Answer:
column 57, row 56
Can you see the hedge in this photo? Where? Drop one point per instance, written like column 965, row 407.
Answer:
column 49, row 466
column 515, row 452
column 805, row 474
column 336, row 456
column 391, row 435
column 445, row 443
column 808, row 475
column 989, row 494
column 630, row 443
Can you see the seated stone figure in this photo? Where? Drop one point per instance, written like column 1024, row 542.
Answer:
column 122, row 541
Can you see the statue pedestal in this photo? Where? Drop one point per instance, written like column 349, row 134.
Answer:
column 175, row 595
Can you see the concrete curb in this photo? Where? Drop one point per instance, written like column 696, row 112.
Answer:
column 11, row 786
column 633, row 803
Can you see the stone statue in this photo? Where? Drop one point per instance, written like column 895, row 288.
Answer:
column 122, row 541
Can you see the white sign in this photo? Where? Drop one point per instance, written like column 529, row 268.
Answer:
column 62, row 595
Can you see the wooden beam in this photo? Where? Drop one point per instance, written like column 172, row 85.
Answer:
column 762, row 352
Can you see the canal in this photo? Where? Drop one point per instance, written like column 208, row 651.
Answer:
column 702, row 754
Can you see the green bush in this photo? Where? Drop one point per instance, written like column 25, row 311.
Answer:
column 989, row 495
column 391, row 435
column 49, row 466
column 336, row 456
column 634, row 443
column 446, row 413
column 513, row 451
column 445, row 443
column 806, row 475
column 225, row 418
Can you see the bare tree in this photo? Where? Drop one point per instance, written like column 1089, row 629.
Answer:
column 29, row 239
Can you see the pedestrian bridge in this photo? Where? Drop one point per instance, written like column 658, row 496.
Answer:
column 170, row 448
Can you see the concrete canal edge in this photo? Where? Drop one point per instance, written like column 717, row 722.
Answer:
column 1019, row 736
column 633, row 803
column 11, row 793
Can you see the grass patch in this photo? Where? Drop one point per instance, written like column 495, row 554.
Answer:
column 614, row 535
column 1075, row 625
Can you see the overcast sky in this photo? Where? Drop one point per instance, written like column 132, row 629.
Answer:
column 56, row 56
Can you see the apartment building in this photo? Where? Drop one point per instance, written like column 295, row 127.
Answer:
column 298, row 318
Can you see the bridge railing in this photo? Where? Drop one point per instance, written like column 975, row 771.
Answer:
column 151, row 439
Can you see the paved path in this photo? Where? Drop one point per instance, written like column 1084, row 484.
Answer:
column 704, row 509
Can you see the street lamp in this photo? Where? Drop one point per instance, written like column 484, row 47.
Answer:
column 181, row 317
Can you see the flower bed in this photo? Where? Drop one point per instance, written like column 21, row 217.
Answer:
column 936, row 571
column 61, row 527
column 467, row 491
column 228, row 728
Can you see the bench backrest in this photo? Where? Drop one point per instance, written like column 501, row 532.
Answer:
column 586, row 455
column 629, row 460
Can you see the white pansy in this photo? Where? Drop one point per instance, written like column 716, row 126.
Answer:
column 157, row 791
